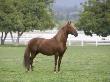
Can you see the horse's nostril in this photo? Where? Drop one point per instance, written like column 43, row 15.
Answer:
column 75, row 34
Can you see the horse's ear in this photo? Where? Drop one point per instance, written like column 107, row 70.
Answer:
column 69, row 22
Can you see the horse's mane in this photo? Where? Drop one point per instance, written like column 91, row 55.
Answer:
column 61, row 34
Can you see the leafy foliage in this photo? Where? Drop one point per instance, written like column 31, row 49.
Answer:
column 25, row 15
column 95, row 18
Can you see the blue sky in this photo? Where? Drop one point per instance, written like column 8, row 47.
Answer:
column 68, row 3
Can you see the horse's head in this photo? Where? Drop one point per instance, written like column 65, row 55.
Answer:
column 71, row 29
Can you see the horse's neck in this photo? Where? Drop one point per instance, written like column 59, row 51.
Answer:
column 61, row 36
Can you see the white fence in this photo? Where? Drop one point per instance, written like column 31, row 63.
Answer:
column 81, row 40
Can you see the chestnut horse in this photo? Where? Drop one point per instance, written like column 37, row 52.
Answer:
column 55, row 46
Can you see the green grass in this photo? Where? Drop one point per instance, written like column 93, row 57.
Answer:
column 79, row 64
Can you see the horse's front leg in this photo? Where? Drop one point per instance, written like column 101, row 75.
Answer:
column 60, row 56
column 56, row 58
column 59, row 62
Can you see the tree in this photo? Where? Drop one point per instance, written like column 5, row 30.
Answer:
column 32, row 15
column 24, row 15
column 5, row 22
column 95, row 18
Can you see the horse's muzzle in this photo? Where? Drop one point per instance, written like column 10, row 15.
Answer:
column 75, row 34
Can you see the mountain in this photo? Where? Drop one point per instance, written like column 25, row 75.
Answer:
column 67, row 9
column 67, row 3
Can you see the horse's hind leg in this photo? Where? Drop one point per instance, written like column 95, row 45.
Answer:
column 33, row 55
column 56, row 57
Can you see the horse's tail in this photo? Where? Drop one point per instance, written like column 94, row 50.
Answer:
column 27, row 58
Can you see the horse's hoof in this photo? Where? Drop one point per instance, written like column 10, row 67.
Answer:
column 26, row 71
column 55, row 72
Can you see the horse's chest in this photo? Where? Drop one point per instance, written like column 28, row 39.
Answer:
column 62, row 49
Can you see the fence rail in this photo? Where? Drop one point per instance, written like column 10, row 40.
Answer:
column 70, row 42
column 84, row 43
column 81, row 40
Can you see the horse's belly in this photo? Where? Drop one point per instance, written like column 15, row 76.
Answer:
column 48, row 54
column 47, row 51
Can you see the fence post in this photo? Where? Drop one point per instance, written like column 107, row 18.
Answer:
column 82, row 42
column 69, row 42
column 96, row 42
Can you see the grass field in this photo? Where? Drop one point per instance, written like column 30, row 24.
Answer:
column 79, row 64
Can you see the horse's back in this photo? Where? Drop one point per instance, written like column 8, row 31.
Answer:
column 34, row 43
